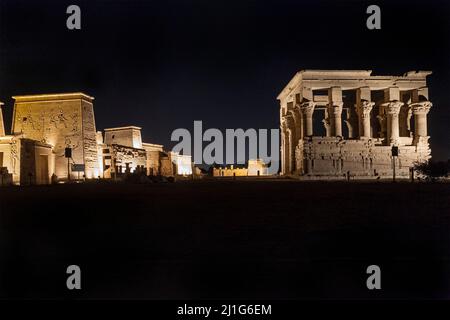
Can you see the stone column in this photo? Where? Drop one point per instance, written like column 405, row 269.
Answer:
column 283, row 150
column 334, row 108
column 392, row 109
column 335, row 113
column 364, row 109
column 307, row 109
column 309, row 169
column 291, row 157
column 420, row 111
column 298, row 123
column 2, row 125
column 326, row 124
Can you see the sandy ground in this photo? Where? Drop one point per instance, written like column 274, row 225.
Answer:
column 243, row 239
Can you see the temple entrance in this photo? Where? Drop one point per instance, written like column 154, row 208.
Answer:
column 42, row 176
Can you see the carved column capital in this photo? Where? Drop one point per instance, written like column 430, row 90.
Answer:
column 421, row 107
column 365, row 108
column 307, row 108
column 393, row 107
column 283, row 125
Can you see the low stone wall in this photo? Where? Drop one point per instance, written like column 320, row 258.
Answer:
column 335, row 158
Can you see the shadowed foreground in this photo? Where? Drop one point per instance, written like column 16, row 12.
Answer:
column 226, row 239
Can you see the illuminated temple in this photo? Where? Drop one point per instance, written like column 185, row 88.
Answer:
column 337, row 123
column 54, row 138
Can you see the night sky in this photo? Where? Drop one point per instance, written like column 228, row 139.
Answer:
column 163, row 64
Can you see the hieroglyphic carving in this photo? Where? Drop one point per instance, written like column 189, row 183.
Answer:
column 14, row 156
column 58, row 118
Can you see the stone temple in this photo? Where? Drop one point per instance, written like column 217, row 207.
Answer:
column 45, row 125
column 344, row 123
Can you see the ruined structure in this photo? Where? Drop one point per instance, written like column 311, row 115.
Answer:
column 337, row 123
column 254, row 168
column 123, row 151
column 45, row 126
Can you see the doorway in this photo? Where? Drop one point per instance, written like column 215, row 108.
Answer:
column 43, row 177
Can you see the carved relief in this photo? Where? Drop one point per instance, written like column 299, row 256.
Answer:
column 58, row 119
column 27, row 121
column 307, row 108
column 14, row 156
column 393, row 107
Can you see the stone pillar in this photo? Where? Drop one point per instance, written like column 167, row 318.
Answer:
column 364, row 109
column 392, row 109
column 283, row 150
column 291, row 157
column 296, row 126
column 335, row 113
column 326, row 124
column 298, row 120
column 286, row 146
column 2, row 125
column 334, row 109
column 420, row 111
column 309, row 169
column 307, row 109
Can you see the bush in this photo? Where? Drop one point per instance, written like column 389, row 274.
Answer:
column 433, row 170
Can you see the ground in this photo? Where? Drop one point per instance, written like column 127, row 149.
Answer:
column 253, row 239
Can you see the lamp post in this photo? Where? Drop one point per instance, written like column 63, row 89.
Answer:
column 394, row 155
column 68, row 155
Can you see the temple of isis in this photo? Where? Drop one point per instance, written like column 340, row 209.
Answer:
column 44, row 126
column 337, row 123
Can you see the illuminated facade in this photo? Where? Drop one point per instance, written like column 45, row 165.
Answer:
column 337, row 123
column 61, row 121
column 44, row 126
column 255, row 168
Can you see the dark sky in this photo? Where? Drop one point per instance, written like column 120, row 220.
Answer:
column 163, row 64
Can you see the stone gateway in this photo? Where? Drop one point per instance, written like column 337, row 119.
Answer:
column 54, row 139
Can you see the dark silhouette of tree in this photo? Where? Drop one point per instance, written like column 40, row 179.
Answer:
column 433, row 169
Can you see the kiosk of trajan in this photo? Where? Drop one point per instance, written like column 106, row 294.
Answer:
column 349, row 123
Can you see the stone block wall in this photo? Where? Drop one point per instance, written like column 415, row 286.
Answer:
column 60, row 120
column 333, row 156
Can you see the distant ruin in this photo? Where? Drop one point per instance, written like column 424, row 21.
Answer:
column 45, row 126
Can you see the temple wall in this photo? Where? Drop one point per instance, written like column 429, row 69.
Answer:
column 183, row 163
column 126, row 158
column 230, row 172
column 154, row 152
column 363, row 158
column 57, row 123
column 10, row 154
column 60, row 121
column 167, row 168
column 89, row 137
column 153, row 165
column 126, row 136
